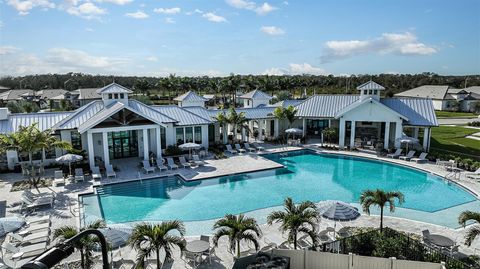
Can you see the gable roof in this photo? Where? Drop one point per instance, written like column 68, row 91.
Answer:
column 255, row 94
column 419, row 111
column 113, row 88
column 88, row 93
column 45, row 120
column 474, row 89
column 14, row 94
column 324, row 106
column 80, row 116
column 364, row 101
column 190, row 96
column 287, row 103
column 436, row 92
column 182, row 115
column 371, row 85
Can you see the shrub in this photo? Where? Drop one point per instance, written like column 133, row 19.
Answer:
column 474, row 123
column 173, row 150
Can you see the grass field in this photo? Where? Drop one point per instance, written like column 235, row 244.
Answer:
column 452, row 138
column 453, row 114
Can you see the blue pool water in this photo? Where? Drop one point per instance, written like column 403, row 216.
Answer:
column 307, row 176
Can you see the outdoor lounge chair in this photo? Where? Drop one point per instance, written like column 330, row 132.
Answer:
column 407, row 157
column 184, row 162
column 247, row 147
column 35, row 228
column 28, row 239
column 33, row 196
column 239, row 149
column 160, row 165
column 421, row 158
column 230, row 150
column 197, row 160
column 171, row 164
column 395, row 155
column 79, row 176
column 58, row 178
column 96, row 175
column 304, row 243
column 27, row 251
column 38, row 219
column 258, row 147
column 473, row 175
column 147, row 168
column 110, row 171
column 28, row 203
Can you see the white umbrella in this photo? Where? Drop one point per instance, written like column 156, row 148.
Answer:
column 10, row 224
column 294, row 131
column 69, row 158
column 117, row 235
column 189, row 146
column 337, row 211
column 407, row 140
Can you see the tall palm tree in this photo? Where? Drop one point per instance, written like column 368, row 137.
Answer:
column 295, row 219
column 149, row 238
column 85, row 245
column 475, row 230
column 31, row 140
column 237, row 228
column 380, row 198
column 237, row 120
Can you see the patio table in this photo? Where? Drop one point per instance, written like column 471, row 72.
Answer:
column 441, row 241
column 197, row 246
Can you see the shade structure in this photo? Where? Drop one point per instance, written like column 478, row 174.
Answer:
column 407, row 140
column 294, row 131
column 10, row 224
column 189, row 146
column 116, row 235
column 69, row 158
column 337, row 211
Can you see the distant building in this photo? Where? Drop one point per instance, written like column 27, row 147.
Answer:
column 255, row 98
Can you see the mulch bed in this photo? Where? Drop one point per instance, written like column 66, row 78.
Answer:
column 25, row 185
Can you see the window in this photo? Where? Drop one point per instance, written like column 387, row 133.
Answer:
column 370, row 92
column 375, row 92
column 115, row 96
column 248, row 102
column 188, row 134
column 179, row 136
column 163, row 137
column 76, row 140
column 121, row 96
column 110, row 96
column 365, row 92
column 198, row 134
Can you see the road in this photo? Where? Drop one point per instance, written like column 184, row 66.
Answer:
column 456, row 121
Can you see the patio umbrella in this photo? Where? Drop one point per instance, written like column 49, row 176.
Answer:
column 69, row 158
column 117, row 235
column 337, row 211
column 407, row 140
column 10, row 224
column 294, row 131
column 189, row 146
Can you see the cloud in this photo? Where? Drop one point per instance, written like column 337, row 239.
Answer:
column 137, row 15
column 395, row 43
column 171, row 11
column 213, row 17
column 169, row 20
column 263, row 9
column 272, row 30
column 86, row 10
column 152, row 59
column 116, row 2
column 4, row 50
column 24, row 6
column 296, row 69
column 89, row 29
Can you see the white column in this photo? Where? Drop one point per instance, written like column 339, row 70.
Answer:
column 341, row 136
column 352, row 134
column 145, row 144
column 398, row 133
column 426, row 139
column 91, row 154
column 106, row 156
column 386, row 140
column 276, row 126
column 243, row 134
column 304, row 126
column 250, row 126
column 159, row 142
column 260, row 130
column 415, row 132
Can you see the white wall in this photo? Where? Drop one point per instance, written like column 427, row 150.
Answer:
column 191, row 103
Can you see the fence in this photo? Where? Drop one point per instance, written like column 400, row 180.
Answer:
column 306, row 259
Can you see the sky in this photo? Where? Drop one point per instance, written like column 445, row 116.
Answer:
column 219, row 37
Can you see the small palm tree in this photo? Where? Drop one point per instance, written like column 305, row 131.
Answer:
column 295, row 219
column 475, row 230
column 223, row 120
column 237, row 228
column 85, row 245
column 380, row 198
column 149, row 238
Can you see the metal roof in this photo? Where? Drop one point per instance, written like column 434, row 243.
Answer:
column 250, row 113
column 255, row 94
column 114, row 88
column 370, row 85
column 190, row 96
column 436, row 92
column 101, row 116
column 287, row 103
column 183, row 116
column 80, row 116
column 45, row 120
column 360, row 102
column 149, row 113
column 324, row 106
column 419, row 111
column 88, row 93
column 474, row 89
column 14, row 94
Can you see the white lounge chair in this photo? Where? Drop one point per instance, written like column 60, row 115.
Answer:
column 34, row 196
column 26, row 251
column 96, row 175
column 110, row 171
column 147, row 167
column 396, row 154
column 197, row 160
column 79, row 176
column 230, row 150
column 29, row 238
column 160, row 165
column 258, row 147
column 421, row 158
column 28, row 203
column 473, row 175
column 35, row 228
column 58, row 178
column 407, row 157
column 184, row 162
column 171, row 164
column 239, row 149
column 38, row 219
column 247, row 147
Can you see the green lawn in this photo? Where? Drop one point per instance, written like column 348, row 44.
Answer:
column 453, row 114
column 452, row 138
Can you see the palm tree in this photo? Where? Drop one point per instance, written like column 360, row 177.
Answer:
column 148, row 238
column 287, row 113
column 237, row 228
column 475, row 230
column 30, row 140
column 236, row 119
column 85, row 245
column 223, row 120
column 380, row 198
column 295, row 219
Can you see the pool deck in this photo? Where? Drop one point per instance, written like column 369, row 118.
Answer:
column 64, row 211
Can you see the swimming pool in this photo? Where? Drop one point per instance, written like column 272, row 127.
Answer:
column 306, row 176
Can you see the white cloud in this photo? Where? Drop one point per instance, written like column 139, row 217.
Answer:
column 116, row 2
column 137, row 15
column 213, row 17
column 86, row 10
column 396, row 43
column 169, row 20
column 173, row 10
column 263, row 9
column 272, row 30
column 89, row 29
column 4, row 50
column 152, row 59
column 296, row 69
column 24, row 6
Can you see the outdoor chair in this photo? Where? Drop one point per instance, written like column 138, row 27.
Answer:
column 230, row 150
column 35, row 228
column 258, row 147
column 96, row 175
column 343, row 232
column 396, row 154
column 171, row 164
column 247, row 147
column 26, row 251
column 190, row 257
column 304, row 243
column 426, row 236
column 474, row 175
column 184, row 162
column 110, row 171
column 407, row 157
column 421, row 158
column 147, row 168
column 197, row 160
column 58, row 178
column 28, row 239
column 239, row 149
column 34, row 196
column 160, row 165
column 28, row 203
column 205, row 238
column 38, row 219
column 209, row 254
column 79, row 176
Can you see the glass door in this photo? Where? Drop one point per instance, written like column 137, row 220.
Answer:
column 123, row 144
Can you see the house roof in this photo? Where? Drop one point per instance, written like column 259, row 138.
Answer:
column 419, row 111
column 436, row 92
column 262, row 112
column 113, row 88
column 363, row 101
column 182, row 115
column 255, row 94
column 3, row 88
column 287, row 103
column 370, row 85
column 472, row 96
column 50, row 93
column 14, row 94
column 190, row 96
column 474, row 89
column 324, row 106
column 45, row 120
column 80, row 116
column 88, row 93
